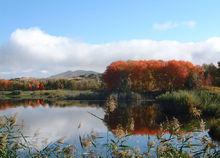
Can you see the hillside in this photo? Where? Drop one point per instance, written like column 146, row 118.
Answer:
column 72, row 74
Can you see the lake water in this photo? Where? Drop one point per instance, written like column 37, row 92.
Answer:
column 45, row 122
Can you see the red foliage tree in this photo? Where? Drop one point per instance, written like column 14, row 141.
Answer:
column 150, row 75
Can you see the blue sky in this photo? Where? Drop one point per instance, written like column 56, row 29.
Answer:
column 99, row 21
column 43, row 37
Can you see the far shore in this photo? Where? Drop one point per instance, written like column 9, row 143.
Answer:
column 52, row 95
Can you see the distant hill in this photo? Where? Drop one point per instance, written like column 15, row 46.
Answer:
column 24, row 78
column 73, row 74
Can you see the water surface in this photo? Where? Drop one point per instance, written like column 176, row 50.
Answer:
column 45, row 122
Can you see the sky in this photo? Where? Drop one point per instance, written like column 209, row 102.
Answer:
column 40, row 38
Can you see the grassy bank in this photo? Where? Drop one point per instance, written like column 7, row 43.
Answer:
column 53, row 95
column 191, row 102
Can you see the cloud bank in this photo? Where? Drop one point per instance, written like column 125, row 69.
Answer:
column 33, row 52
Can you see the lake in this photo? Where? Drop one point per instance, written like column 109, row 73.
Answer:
column 46, row 122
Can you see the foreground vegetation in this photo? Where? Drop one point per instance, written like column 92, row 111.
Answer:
column 167, row 145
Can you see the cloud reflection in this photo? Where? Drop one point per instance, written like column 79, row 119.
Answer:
column 52, row 123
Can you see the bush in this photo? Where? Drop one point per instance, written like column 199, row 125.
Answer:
column 15, row 92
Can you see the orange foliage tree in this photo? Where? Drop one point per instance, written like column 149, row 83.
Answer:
column 35, row 85
column 150, row 75
column 5, row 84
column 21, row 85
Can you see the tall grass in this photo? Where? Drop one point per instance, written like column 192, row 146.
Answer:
column 14, row 144
column 190, row 103
column 210, row 103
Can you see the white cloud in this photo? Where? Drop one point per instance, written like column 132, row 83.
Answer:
column 32, row 52
column 44, row 71
column 172, row 25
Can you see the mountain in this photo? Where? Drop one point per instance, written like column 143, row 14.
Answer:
column 72, row 74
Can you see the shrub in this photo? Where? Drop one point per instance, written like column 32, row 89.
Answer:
column 15, row 92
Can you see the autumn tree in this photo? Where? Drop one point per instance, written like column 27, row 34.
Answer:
column 150, row 75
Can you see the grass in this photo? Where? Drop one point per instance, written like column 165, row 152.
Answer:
column 14, row 144
column 181, row 104
column 212, row 89
column 50, row 94
column 191, row 102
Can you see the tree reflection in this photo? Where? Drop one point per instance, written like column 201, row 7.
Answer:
column 5, row 104
column 12, row 103
column 132, row 118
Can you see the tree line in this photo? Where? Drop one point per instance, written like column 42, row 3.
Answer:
column 138, row 76
column 51, row 84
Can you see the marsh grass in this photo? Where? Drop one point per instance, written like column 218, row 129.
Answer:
column 191, row 103
column 14, row 144
column 172, row 144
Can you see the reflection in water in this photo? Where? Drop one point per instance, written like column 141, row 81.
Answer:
column 133, row 119
column 5, row 104
column 111, row 104
column 47, row 122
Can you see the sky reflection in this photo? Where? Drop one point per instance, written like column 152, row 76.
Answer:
column 52, row 123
